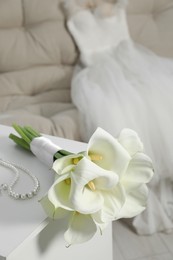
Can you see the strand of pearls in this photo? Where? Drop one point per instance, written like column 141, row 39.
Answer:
column 9, row 187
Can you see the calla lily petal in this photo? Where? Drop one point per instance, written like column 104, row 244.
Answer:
column 58, row 194
column 51, row 211
column 135, row 202
column 113, row 202
column 84, row 199
column 140, row 171
column 114, row 156
column 81, row 229
column 48, row 206
column 60, row 213
column 67, row 170
column 87, row 171
column 101, row 225
column 66, row 163
column 130, row 141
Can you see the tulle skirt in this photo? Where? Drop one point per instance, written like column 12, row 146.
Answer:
column 131, row 87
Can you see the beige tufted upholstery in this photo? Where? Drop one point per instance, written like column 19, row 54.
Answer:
column 151, row 24
column 36, row 61
column 37, row 56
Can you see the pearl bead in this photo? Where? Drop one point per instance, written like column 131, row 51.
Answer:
column 29, row 195
column 16, row 196
column 23, row 196
column 10, row 192
column 4, row 186
column 13, row 194
column 34, row 191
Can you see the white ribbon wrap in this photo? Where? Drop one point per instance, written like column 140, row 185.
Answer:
column 44, row 150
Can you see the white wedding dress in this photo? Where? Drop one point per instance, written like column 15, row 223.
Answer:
column 118, row 84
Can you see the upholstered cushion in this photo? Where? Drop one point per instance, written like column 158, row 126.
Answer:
column 37, row 56
column 150, row 23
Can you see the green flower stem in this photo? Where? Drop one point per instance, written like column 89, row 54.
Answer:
column 19, row 141
column 60, row 154
column 22, row 133
column 32, row 131
column 27, row 134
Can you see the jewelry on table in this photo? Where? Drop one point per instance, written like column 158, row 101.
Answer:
column 9, row 187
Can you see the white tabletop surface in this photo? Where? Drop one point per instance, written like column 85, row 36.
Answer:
column 18, row 219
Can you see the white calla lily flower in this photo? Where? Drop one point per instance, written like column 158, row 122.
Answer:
column 107, row 152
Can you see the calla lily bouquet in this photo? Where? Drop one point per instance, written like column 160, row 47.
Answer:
column 102, row 184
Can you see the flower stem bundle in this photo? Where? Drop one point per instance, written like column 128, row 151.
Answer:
column 27, row 135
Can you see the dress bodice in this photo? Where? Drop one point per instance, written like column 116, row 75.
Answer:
column 95, row 35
